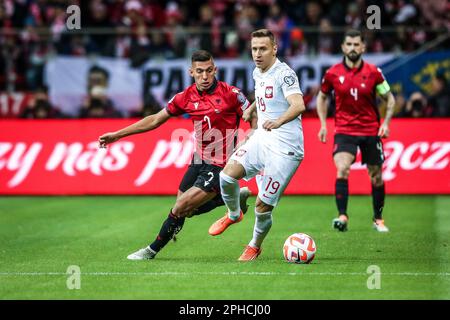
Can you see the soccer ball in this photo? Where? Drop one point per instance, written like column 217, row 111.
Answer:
column 299, row 248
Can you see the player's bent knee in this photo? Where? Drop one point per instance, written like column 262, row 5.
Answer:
column 226, row 179
column 377, row 181
column 343, row 171
column 234, row 170
column 376, row 176
column 262, row 207
column 182, row 208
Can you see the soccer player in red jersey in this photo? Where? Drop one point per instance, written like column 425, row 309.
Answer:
column 357, row 121
column 215, row 109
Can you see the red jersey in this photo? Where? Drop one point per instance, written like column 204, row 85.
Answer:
column 216, row 114
column 355, row 92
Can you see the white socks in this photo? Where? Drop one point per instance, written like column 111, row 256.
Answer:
column 263, row 222
column 229, row 187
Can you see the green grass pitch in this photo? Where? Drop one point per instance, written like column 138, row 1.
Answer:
column 40, row 237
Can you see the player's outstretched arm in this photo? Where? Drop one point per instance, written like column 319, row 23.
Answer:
column 390, row 106
column 322, row 109
column 146, row 124
column 296, row 107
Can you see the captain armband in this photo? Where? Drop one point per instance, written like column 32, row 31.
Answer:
column 383, row 88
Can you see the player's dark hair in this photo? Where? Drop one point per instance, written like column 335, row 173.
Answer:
column 352, row 33
column 261, row 33
column 201, row 55
column 98, row 69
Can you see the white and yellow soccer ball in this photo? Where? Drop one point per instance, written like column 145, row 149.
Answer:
column 299, row 248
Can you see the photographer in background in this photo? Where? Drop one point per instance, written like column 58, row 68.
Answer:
column 440, row 99
column 97, row 104
column 40, row 106
column 416, row 107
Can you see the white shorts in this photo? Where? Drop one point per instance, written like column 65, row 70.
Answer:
column 273, row 171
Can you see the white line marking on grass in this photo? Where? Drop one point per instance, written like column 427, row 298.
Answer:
column 407, row 274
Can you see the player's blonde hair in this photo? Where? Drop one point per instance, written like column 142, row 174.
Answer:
column 262, row 33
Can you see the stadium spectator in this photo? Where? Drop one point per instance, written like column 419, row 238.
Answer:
column 98, row 105
column 140, row 48
column 98, row 18
column 175, row 33
column 440, row 99
column 40, row 107
column 213, row 15
column 97, row 76
column 246, row 19
column 415, row 107
column 12, row 62
column 312, row 20
column 32, row 31
column 327, row 38
column 435, row 13
column 296, row 44
column 231, row 49
column 353, row 17
column 280, row 24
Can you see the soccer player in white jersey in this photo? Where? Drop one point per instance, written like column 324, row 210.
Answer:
column 275, row 149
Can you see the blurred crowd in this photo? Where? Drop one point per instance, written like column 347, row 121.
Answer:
column 34, row 30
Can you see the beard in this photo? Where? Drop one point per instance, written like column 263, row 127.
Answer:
column 353, row 56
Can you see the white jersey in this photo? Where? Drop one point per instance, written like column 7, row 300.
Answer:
column 271, row 89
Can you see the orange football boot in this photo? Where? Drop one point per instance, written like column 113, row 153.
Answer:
column 223, row 223
column 250, row 253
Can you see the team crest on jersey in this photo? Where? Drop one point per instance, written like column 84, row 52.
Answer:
column 269, row 92
column 341, row 79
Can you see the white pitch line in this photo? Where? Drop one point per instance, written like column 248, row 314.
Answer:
column 407, row 274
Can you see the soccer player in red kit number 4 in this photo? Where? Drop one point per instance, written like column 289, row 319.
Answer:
column 215, row 109
column 355, row 84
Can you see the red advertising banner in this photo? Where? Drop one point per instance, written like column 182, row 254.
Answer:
column 61, row 157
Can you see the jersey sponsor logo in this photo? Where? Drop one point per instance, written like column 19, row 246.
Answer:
column 196, row 105
column 269, row 92
column 289, row 80
column 341, row 79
